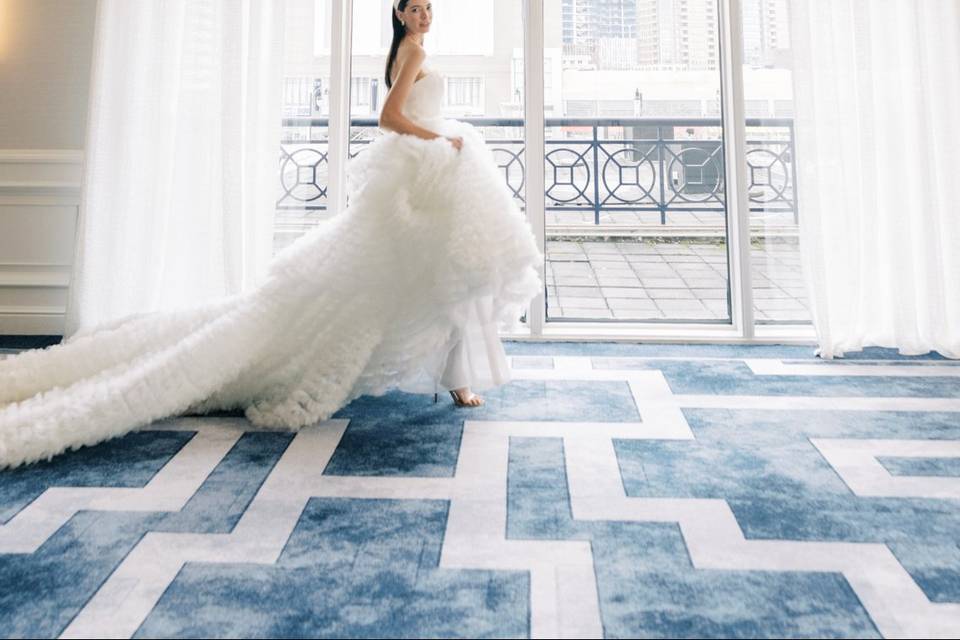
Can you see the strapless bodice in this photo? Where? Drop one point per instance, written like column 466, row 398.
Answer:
column 425, row 100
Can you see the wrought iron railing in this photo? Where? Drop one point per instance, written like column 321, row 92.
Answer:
column 603, row 165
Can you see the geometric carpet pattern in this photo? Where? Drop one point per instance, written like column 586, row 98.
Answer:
column 608, row 490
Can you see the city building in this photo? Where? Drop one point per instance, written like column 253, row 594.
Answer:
column 766, row 33
column 599, row 33
column 613, row 58
column 677, row 34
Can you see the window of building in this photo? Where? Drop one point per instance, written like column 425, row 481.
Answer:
column 297, row 93
column 464, row 92
column 360, row 91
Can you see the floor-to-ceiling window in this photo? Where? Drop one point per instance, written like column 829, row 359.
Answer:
column 635, row 200
column 304, row 164
column 476, row 46
column 478, row 49
column 779, row 295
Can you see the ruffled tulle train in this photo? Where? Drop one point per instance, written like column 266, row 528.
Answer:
column 431, row 256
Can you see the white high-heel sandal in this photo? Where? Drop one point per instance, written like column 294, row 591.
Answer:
column 457, row 401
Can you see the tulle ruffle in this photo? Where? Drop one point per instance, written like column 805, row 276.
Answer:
column 431, row 250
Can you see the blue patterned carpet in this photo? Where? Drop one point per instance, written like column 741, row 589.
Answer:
column 608, row 490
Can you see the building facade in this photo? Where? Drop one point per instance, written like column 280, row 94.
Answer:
column 601, row 34
column 766, row 33
column 678, row 35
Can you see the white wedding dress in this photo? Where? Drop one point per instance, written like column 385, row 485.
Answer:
column 405, row 289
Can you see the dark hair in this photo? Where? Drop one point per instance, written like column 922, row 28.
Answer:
column 398, row 32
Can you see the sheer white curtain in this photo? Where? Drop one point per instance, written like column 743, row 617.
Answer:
column 877, row 92
column 182, row 149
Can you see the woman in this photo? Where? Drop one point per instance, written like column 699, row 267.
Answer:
column 404, row 289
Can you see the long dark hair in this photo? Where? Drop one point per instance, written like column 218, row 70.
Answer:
column 398, row 32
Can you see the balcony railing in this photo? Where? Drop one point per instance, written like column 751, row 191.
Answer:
column 599, row 165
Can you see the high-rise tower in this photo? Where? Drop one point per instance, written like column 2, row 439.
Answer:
column 677, row 34
column 600, row 33
column 766, row 31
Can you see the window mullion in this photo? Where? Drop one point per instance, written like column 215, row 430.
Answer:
column 534, row 143
column 341, row 25
column 735, row 165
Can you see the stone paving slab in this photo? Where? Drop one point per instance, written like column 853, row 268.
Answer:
column 661, row 271
column 643, row 279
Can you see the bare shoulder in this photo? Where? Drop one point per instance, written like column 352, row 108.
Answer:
column 410, row 50
column 410, row 57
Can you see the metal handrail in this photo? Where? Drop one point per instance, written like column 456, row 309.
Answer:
column 651, row 170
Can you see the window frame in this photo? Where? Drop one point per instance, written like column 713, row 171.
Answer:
column 473, row 108
column 742, row 328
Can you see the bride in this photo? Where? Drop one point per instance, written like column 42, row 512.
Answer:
column 404, row 289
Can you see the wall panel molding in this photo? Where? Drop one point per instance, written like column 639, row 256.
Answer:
column 39, row 203
column 33, row 176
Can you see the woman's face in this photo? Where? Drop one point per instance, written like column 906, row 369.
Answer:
column 417, row 16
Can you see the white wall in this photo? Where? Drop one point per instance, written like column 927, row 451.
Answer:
column 45, row 54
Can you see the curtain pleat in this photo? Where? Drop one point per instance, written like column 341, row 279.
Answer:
column 877, row 94
column 181, row 164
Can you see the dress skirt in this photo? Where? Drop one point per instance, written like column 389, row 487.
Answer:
column 406, row 288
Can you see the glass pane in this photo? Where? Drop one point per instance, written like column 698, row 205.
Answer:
column 372, row 32
column 635, row 196
column 302, row 198
column 778, row 290
column 477, row 47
